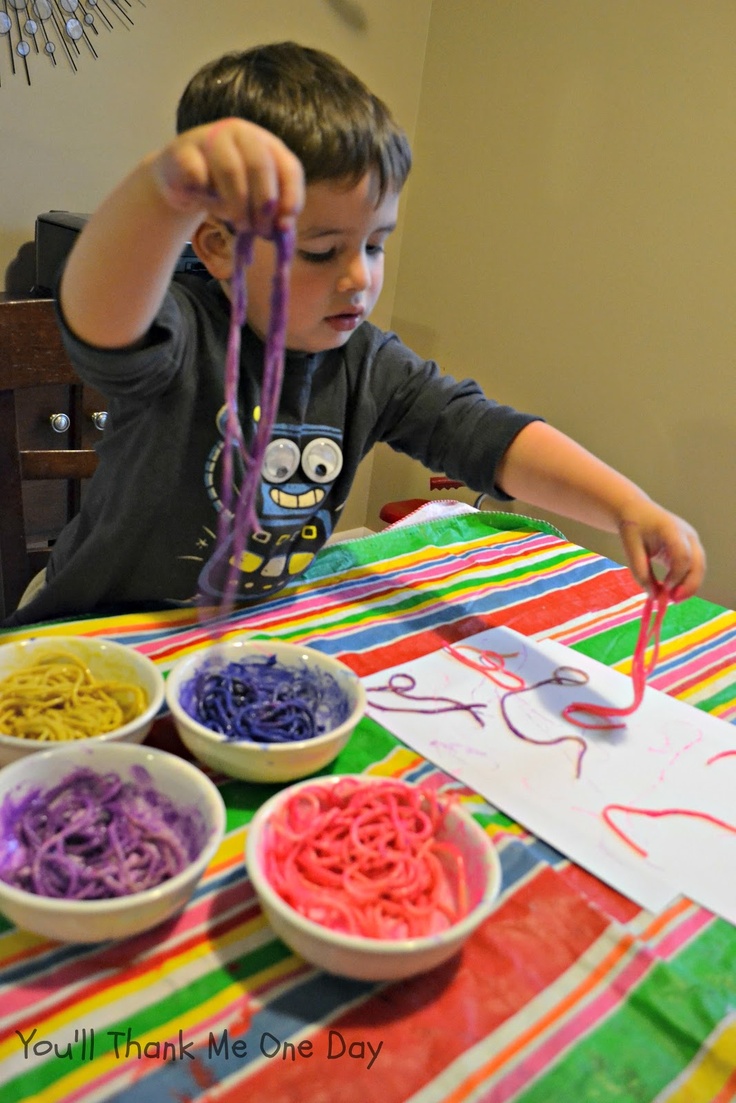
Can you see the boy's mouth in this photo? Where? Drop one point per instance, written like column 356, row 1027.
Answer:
column 346, row 321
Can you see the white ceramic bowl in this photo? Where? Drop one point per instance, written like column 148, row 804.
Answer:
column 368, row 958
column 263, row 762
column 99, row 920
column 106, row 659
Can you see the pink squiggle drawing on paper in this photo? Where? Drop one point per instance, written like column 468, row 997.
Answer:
column 667, row 748
column 457, row 748
column 492, row 665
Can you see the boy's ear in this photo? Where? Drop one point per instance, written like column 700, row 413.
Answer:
column 213, row 244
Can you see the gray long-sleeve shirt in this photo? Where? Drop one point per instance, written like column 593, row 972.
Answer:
column 147, row 530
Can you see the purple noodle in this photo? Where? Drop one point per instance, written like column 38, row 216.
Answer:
column 236, row 523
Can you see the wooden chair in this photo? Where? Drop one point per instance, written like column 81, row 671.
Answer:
column 32, row 355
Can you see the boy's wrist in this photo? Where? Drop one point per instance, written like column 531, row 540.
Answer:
column 629, row 510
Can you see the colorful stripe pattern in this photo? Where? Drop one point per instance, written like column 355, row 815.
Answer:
column 567, row 992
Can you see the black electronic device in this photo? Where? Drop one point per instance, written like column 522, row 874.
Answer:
column 56, row 232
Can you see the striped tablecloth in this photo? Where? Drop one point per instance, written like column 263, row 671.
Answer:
column 568, row 993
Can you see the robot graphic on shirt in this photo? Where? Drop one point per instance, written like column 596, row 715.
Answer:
column 299, row 468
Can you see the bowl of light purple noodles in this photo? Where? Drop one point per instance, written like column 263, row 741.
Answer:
column 264, row 710
column 102, row 842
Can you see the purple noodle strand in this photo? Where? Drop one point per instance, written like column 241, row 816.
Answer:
column 402, row 684
column 238, row 517
column 563, row 676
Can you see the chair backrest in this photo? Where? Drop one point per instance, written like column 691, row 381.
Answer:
column 32, row 355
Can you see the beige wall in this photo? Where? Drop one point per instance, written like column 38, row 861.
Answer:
column 570, row 237
column 69, row 137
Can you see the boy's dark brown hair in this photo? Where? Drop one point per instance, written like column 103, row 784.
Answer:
column 333, row 123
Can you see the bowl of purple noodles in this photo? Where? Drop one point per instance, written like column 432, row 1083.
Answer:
column 102, row 842
column 264, row 710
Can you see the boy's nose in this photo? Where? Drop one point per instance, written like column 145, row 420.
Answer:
column 356, row 276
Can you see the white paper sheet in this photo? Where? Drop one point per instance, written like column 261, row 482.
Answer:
column 660, row 761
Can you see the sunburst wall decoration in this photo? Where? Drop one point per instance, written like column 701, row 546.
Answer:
column 56, row 31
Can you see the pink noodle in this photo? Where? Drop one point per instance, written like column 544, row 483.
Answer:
column 650, row 632
column 489, row 663
column 656, row 813
column 719, row 756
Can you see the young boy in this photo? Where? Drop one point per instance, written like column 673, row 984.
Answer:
column 280, row 137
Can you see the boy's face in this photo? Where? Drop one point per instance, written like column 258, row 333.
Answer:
column 337, row 271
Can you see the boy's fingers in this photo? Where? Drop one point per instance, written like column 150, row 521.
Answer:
column 687, row 569
column 255, row 175
column 679, row 549
column 291, row 186
column 636, row 554
column 183, row 178
column 237, row 171
column 276, row 187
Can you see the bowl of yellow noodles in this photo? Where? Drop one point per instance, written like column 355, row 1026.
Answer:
column 58, row 690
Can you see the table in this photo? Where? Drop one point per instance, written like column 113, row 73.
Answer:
column 568, row 992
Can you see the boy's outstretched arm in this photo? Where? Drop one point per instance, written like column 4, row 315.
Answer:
column 547, row 469
column 117, row 274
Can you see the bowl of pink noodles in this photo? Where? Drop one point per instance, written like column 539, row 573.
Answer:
column 370, row 877
column 264, row 710
column 103, row 841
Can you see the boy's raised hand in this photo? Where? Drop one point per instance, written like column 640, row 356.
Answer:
column 231, row 169
column 235, row 170
column 548, row 469
column 652, row 536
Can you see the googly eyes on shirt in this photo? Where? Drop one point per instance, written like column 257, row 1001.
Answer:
column 322, row 460
column 280, row 461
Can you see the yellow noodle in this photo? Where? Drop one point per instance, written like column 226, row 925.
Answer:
column 57, row 698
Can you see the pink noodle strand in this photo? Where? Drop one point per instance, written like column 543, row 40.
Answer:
column 649, row 633
column 719, row 756
column 489, row 663
column 656, row 813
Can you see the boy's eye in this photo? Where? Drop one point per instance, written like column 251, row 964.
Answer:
column 324, row 258
column 316, row 258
